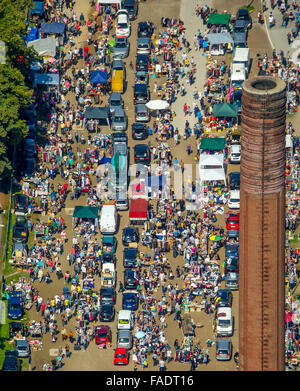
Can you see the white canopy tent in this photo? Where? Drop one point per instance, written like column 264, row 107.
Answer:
column 211, row 167
column 101, row 2
column 44, row 47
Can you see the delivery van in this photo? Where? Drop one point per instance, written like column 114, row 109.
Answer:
column 238, row 75
column 117, row 81
column 108, row 219
column 125, row 320
column 224, row 322
column 242, row 56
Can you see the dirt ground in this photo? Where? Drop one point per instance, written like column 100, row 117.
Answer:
column 102, row 360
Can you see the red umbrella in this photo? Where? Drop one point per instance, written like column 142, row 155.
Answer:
column 86, row 49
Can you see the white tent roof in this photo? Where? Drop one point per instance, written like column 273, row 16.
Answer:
column 110, row 2
column 44, row 47
column 216, row 159
column 288, row 141
column 212, row 174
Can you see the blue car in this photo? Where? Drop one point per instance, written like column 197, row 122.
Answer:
column 15, row 305
column 130, row 301
column 232, row 250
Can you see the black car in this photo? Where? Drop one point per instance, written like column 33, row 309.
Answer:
column 17, row 328
column 107, row 296
column 130, row 279
column 11, row 361
column 130, row 235
column 141, row 94
column 224, row 298
column 234, row 180
column 29, row 149
column 145, row 29
column 243, row 14
column 130, row 257
column 142, row 62
column 29, row 167
column 139, row 131
column 231, row 265
column 107, row 313
column 232, row 250
column 21, row 203
column 20, row 231
column 142, row 154
column 236, row 98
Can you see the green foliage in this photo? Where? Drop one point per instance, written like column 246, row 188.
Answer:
column 15, row 94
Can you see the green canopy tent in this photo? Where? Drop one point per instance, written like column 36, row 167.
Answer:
column 212, row 143
column 225, row 110
column 218, row 19
column 86, row 212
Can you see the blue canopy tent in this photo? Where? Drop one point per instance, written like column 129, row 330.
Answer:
column 33, row 34
column 98, row 77
column 53, row 28
column 38, row 8
column 104, row 160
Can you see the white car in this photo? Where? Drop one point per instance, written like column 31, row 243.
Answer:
column 125, row 320
column 224, row 322
column 235, row 153
column 122, row 26
column 234, row 199
column 108, row 219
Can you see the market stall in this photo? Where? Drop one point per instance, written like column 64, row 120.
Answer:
column 219, row 43
column 87, row 213
column 35, row 335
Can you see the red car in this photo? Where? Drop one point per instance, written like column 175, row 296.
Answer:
column 121, row 356
column 233, row 222
column 102, row 335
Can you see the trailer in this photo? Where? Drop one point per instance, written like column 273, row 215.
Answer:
column 138, row 211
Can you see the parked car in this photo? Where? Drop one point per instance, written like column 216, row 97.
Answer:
column 29, row 148
column 143, row 62
column 232, row 250
column 236, row 99
column 234, row 180
column 115, row 100
column 143, row 45
column 124, row 339
column 243, row 14
column 224, row 298
column 141, row 77
column 122, row 202
column 11, row 361
column 232, row 281
column 15, row 308
column 223, row 349
column 130, row 279
column 119, row 120
column 234, row 199
column 231, row 265
column 22, row 347
column 20, row 231
column 121, row 48
column 108, row 219
column 123, row 25
column 145, row 29
column 233, row 221
column 234, row 153
column 19, row 251
column 29, row 170
column 141, row 113
column 130, row 301
column 107, row 296
column 125, row 320
column 107, row 313
column 130, row 256
column 139, row 131
column 240, row 26
column 142, row 154
column 224, row 322
column 103, row 335
column 130, row 235
column 21, row 202
column 17, row 328
column 121, row 356
column 141, row 93
column 131, row 6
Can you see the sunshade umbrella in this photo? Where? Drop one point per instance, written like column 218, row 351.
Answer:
column 111, row 42
column 139, row 334
column 215, row 238
column 159, row 42
column 157, row 104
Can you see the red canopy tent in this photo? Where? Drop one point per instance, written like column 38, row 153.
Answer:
column 138, row 212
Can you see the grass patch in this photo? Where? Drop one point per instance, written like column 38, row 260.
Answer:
column 249, row 7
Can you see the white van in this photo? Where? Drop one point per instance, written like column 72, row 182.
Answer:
column 242, row 56
column 125, row 320
column 224, row 322
column 238, row 75
column 108, row 219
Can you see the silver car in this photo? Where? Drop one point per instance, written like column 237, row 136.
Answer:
column 22, row 347
column 141, row 113
column 121, row 48
column 223, row 349
column 115, row 100
column 143, row 45
column 119, row 120
column 124, row 339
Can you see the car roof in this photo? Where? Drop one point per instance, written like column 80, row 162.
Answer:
column 138, row 125
column 236, row 147
column 102, row 328
column 235, row 174
column 143, row 56
column 119, row 111
column 141, row 146
column 124, row 332
column 240, row 23
column 234, row 193
column 115, row 96
column 243, row 11
column 21, row 342
column 143, row 40
column 226, row 310
column 124, row 313
column 223, row 343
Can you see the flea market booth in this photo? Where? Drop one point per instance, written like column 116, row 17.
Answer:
column 138, row 211
column 97, row 114
column 224, row 115
column 85, row 214
column 98, row 81
column 219, row 43
column 106, row 18
column 56, row 30
column 218, row 22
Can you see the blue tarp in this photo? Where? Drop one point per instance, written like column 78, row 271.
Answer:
column 38, row 8
column 33, row 34
column 53, row 28
column 104, row 160
column 50, row 79
column 98, row 77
